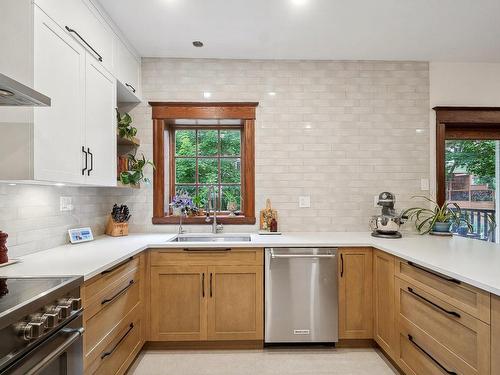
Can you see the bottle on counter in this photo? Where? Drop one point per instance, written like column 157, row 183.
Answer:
column 274, row 225
column 4, row 258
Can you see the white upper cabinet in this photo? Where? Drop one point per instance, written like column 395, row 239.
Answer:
column 127, row 67
column 100, row 125
column 82, row 22
column 59, row 68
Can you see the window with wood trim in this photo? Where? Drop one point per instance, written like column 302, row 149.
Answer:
column 204, row 145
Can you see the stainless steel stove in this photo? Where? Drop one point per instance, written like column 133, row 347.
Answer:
column 41, row 326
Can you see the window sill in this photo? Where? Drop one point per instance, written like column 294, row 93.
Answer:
column 232, row 220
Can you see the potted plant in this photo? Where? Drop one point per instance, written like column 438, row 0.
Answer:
column 135, row 173
column 198, row 203
column 232, row 203
column 437, row 219
column 125, row 128
column 182, row 205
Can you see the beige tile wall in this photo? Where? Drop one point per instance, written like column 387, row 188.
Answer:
column 340, row 132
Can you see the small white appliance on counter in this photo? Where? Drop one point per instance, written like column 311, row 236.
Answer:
column 301, row 302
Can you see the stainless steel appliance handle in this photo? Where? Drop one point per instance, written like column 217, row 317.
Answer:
column 275, row 256
column 75, row 335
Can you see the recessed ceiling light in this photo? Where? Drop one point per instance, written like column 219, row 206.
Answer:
column 207, row 94
column 198, row 44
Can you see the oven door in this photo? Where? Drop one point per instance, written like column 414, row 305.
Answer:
column 60, row 354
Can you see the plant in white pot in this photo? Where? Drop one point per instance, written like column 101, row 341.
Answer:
column 437, row 219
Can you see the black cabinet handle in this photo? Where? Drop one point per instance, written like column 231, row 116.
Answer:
column 70, row 30
column 109, row 270
column 91, row 161
column 454, row 313
column 105, row 354
column 210, row 284
column 410, row 337
column 203, row 284
column 86, row 162
column 132, row 87
column 107, row 300
column 450, row 279
column 341, row 265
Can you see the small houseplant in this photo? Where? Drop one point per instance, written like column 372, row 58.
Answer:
column 135, row 173
column 125, row 128
column 182, row 205
column 232, row 202
column 437, row 219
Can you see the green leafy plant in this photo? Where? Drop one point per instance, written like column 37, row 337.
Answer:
column 198, row 201
column 125, row 128
column 135, row 174
column 425, row 218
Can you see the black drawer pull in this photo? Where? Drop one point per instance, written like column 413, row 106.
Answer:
column 450, row 279
column 91, row 161
column 107, row 300
column 109, row 270
column 203, row 284
column 454, row 313
column 70, row 30
column 86, row 160
column 131, row 87
column 105, row 354
column 410, row 337
column 341, row 265
column 210, row 284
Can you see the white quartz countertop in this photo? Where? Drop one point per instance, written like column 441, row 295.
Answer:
column 471, row 261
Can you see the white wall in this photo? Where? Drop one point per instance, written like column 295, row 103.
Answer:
column 460, row 84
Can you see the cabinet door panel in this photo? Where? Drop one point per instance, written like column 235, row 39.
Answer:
column 100, row 124
column 178, row 303
column 384, row 302
column 355, row 293
column 235, row 305
column 59, row 69
column 127, row 67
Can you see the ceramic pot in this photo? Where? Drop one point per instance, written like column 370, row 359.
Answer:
column 441, row 227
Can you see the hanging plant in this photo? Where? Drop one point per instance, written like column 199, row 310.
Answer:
column 125, row 128
column 135, row 173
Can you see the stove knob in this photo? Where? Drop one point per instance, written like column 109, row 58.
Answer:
column 24, row 331
column 65, row 311
column 54, row 313
column 37, row 329
column 52, row 319
column 76, row 303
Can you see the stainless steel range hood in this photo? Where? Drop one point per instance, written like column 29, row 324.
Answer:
column 13, row 93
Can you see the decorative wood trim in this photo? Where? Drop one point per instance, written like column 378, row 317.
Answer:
column 202, row 110
column 163, row 111
column 461, row 123
column 159, row 172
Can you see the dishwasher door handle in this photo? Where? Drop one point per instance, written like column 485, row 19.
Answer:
column 311, row 256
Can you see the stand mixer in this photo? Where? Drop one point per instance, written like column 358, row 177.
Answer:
column 387, row 224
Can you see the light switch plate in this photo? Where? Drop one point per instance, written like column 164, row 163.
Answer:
column 304, row 201
column 424, row 184
column 66, row 204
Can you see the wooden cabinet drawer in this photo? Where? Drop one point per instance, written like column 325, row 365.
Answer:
column 100, row 283
column 474, row 301
column 451, row 335
column 102, row 323
column 217, row 257
column 117, row 355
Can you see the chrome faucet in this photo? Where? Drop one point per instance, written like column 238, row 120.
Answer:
column 211, row 206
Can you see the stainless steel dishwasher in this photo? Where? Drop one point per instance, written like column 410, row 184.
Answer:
column 301, row 295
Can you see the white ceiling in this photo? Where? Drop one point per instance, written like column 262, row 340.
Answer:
column 436, row 30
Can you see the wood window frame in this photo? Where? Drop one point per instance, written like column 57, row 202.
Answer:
column 461, row 123
column 163, row 112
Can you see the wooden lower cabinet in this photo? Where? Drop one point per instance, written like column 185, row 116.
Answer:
column 355, row 293
column 210, row 302
column 495, row 335
column 178, row 301
column 235, row 303
column 384, row 316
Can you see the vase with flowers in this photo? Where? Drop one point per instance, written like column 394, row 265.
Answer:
column 182, row 205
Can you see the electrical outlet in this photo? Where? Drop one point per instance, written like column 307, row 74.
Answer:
column 66, row 204
column 304, row 201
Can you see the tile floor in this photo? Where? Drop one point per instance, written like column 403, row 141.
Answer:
column 263, row 362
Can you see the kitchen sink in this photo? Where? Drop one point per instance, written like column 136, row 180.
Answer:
column 208, row 238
